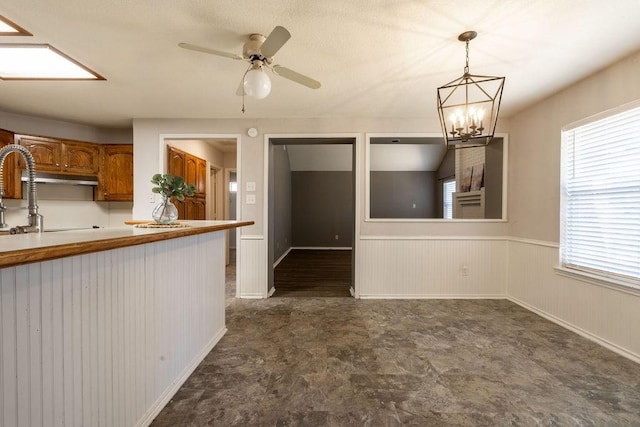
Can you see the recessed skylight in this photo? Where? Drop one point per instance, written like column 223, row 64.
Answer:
column 40, row 62
column 8, row 28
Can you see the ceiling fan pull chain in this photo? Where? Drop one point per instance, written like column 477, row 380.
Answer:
column 242, row 84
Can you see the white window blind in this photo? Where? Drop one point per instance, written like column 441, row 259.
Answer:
column 600, row 206
column 448, row 188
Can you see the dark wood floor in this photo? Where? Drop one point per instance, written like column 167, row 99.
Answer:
column 314, row 273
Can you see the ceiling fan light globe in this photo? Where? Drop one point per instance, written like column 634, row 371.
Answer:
column 257, row 84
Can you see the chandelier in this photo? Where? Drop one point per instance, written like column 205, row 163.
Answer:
column 468, row 106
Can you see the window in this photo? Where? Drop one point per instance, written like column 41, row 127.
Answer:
column 448, row 188
column 600, row 196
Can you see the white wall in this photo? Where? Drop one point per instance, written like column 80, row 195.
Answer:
column 31, row 125
column 149, row 132
column 608, row 315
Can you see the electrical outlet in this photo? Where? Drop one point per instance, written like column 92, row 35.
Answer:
column 464, row 270
column 337, row 237
column 251, row 199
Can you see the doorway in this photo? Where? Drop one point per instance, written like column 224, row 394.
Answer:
column 221, row 154
column 311, row 215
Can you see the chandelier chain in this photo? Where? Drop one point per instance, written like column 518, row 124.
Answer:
column 466, row 67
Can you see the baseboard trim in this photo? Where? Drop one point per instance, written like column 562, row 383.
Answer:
column 323, row 248
column 162, row 401
column 388, row 237
column 573, row 328
column 544, row 243
column 283, row 256
column 252, row 296
column 420, row 296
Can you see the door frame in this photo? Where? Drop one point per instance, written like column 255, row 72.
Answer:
column 357, row 162
column 162, row 166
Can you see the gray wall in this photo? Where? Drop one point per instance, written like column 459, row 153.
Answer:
column 446, row 170
column 394, row 194
column 281, row 237
column 322, row 208
column 493, row 179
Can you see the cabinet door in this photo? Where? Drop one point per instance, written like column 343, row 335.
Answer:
column 181, row 206
column 191, row 169
column 200, row 209
column 175, row 161
column 81, row 158
column 117, row 173
column 46, row 152
column 195, row 208
column 10, row 177
column 201, row 177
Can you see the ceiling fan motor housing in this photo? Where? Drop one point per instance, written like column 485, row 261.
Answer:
column 252, row 47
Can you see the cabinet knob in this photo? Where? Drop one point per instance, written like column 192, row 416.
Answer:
column 66, row 166
column 57, row 164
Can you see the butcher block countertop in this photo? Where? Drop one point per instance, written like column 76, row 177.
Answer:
column 35, row 247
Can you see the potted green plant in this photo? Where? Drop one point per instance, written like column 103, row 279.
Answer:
column 169, row 186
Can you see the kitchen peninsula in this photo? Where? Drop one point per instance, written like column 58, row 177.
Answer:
column 102, row 326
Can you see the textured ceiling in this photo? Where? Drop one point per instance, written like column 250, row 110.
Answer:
column 374, row 58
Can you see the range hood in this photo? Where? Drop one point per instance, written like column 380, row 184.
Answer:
column 55, row 178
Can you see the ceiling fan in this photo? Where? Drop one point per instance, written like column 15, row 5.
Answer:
column 259, row 51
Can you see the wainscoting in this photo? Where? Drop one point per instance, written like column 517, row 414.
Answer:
column 107, row 338
column 423, row 267
column 604, row 314
column 252, row 267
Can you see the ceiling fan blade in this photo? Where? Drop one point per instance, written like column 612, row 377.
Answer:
column 275, row 41
column 296, row 77
column 209, row 51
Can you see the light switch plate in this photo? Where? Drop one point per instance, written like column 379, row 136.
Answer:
column 251, row 186
column 251, row 199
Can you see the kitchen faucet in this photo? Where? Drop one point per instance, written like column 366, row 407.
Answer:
column 33, row 217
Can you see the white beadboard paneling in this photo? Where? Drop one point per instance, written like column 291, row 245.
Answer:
column 252, row 277
column 600, row 313
column 107, row 338
column 397, row 267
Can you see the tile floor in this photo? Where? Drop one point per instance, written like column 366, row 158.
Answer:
column 347, row 362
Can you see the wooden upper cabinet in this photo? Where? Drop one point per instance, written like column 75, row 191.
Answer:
column 10, row 178
column 55, row 155
column 81, row 158
column 46, row 152
column 116, row 177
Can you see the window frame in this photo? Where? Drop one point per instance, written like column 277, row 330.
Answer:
column 573, row 270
